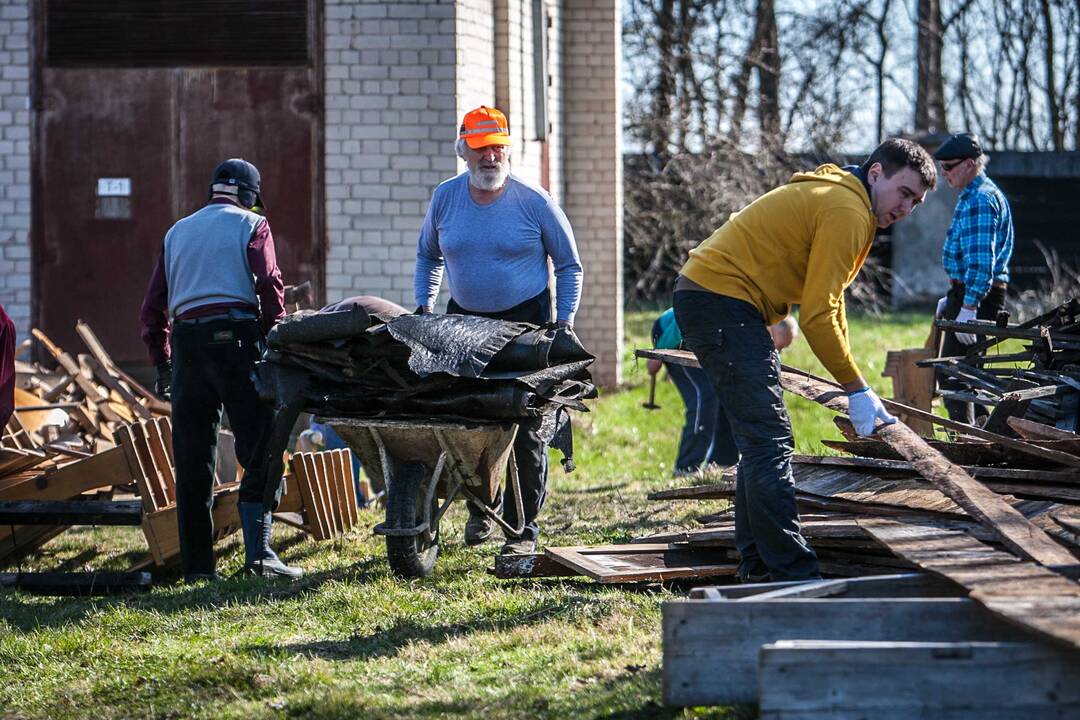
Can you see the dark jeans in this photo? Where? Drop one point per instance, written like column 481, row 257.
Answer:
column 706, row 435
column 213, row 364
column 733, row 345
column 991, row 304
column 530, row 452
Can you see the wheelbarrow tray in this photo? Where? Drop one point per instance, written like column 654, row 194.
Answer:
column 476, row 453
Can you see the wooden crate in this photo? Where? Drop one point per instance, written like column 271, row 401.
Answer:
column 321, row 488
column 147, row 447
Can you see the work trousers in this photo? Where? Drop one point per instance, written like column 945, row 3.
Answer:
column 213, row 366
column 991, row 304
column 530, row 451
column 706, row 435
column 733, row 346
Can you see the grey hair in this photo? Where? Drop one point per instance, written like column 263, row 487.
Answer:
column 981, row 162
column 460, row 146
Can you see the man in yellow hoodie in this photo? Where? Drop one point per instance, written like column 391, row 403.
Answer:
column 802, row 243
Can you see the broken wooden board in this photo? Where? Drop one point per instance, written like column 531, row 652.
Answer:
column 1031, row 430
column 711, row 647
column 76, row 584
column 840, row 528
column 843, row 679
column 1012, row 528
column 1020, row 475
column 1023, row 593
column 152, row 401
column 636, row 562
column 533, row 565
column 70, row 512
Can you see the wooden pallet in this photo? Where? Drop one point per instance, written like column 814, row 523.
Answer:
column 321, row 488
column 147, row 448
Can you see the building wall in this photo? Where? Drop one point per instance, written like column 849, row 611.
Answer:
column 592, row 134
column 15, row 181
column 391, row 113
column 399, row 76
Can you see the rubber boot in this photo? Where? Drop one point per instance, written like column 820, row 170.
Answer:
column 259, row 559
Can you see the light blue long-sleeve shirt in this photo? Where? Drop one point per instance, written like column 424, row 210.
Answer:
column 495, row 255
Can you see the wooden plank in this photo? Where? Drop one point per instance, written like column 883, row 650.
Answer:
column 1032, row 430
column 162, row 459
column 912, row 385
column 102, row 470
column 112, row 383
column 304, row 470
column 98, row 351
column 150, row 493
column 329, row 491
column 1023, row 593
column 70, row 512
column 710, row 647
column 13, row 460
column 93, row 393
column 897, row 585
column 1011, row 528
column 163, row 536
column 718, row 491
column 508, row 567
column 76, row 584
column 344, row 459
column 834, row 680
column 633, row 563
column 1063, row 477
column 149, row 463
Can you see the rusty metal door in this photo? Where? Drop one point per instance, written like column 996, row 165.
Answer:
column 123, row 152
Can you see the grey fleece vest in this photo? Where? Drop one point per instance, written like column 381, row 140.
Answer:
column 206, row 259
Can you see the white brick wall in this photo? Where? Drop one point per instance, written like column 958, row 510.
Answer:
column 15, row 127
column 399, row 76
column 391, row 114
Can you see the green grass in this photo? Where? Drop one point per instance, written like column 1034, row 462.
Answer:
column 352, row 641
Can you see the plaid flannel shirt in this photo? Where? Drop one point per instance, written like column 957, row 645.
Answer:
column 979, row 243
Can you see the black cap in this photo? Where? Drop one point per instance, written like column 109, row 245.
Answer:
column 244, row 176
column 959, row 147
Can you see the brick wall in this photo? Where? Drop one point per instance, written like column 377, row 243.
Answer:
column 391, row 114
column 592, row 133
column 15, row 125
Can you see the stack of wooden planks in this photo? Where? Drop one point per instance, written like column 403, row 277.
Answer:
column 1040, row 383
column 89, row 445
column 986, row 526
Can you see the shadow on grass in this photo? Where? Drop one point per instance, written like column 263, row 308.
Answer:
column 630, row 695
column 387, row 642
column 28, row 613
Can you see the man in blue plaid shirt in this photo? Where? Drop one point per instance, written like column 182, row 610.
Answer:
column 976, row 255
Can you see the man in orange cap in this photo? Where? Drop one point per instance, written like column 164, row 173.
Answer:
column 493, row 233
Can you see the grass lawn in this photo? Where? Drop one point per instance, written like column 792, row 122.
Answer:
column 350, row 640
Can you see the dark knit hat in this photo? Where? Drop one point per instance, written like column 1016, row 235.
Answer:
column 960, row 146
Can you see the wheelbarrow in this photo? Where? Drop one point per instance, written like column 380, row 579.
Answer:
column 425, row 465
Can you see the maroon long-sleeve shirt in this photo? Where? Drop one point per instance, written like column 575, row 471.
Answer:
column 262, row 259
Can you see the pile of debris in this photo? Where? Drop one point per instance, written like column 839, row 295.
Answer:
column 984, row 532
column 1046, row 389
column 89, row 445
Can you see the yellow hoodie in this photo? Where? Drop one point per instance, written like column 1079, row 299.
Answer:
column 803, row 243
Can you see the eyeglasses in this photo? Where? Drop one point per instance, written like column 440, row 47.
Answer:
column 949, row 167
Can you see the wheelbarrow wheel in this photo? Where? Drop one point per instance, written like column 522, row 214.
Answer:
column 410, row 556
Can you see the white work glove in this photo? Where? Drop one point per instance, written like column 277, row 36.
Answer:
column 940, row 311
column 864, row 407
column 965, row 315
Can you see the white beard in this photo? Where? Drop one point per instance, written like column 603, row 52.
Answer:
column 489, row 180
